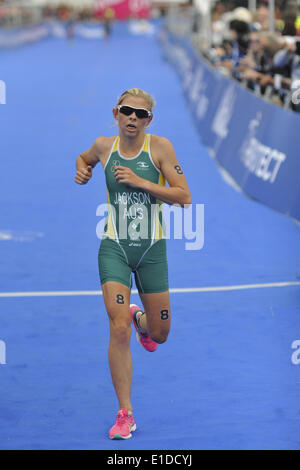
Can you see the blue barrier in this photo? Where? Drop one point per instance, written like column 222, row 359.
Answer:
column 257, row 142
column 15, row 37
column 18, row 36
column 23, row 35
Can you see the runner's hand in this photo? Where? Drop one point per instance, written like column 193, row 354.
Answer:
column 83, row 175
column 123, row 174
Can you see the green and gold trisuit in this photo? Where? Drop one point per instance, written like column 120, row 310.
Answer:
column 133, row 238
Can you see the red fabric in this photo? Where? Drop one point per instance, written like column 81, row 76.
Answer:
column 124, row 9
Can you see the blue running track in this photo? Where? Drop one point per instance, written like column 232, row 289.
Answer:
column 228, row 377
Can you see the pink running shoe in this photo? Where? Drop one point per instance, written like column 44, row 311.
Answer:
column 142, row 338
column 124, row 425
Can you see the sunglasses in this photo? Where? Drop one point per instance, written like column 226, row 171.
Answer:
column 140, row 113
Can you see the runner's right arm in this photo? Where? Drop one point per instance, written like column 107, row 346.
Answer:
column 86, row 161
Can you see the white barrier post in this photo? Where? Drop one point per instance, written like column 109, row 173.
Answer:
column 252, row 5
column 271, row 16
column 209, row 26
column 204, row 6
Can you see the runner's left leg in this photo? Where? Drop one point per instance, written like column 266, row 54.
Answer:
column 156, row 321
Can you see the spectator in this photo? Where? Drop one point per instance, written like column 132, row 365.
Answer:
column 261, row 18
column 268, row 63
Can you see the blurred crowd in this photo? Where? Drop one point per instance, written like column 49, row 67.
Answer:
column 267, row 62
column 64, row 12
column 17, row 14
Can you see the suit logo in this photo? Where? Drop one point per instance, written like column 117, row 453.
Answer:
column 142, row 165
column 114, row 163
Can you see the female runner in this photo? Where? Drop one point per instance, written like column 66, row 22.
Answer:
column 137, row 166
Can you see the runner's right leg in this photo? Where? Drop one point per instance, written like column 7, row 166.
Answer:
column 116, row 298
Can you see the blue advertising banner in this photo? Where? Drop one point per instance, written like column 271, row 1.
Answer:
column 255, row 141
column 18, row 36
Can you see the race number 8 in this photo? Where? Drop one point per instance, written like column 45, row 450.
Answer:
column 164, row 314
column 178, row 170
column 120, row 299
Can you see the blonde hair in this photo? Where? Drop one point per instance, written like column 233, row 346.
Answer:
column 137, row 92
